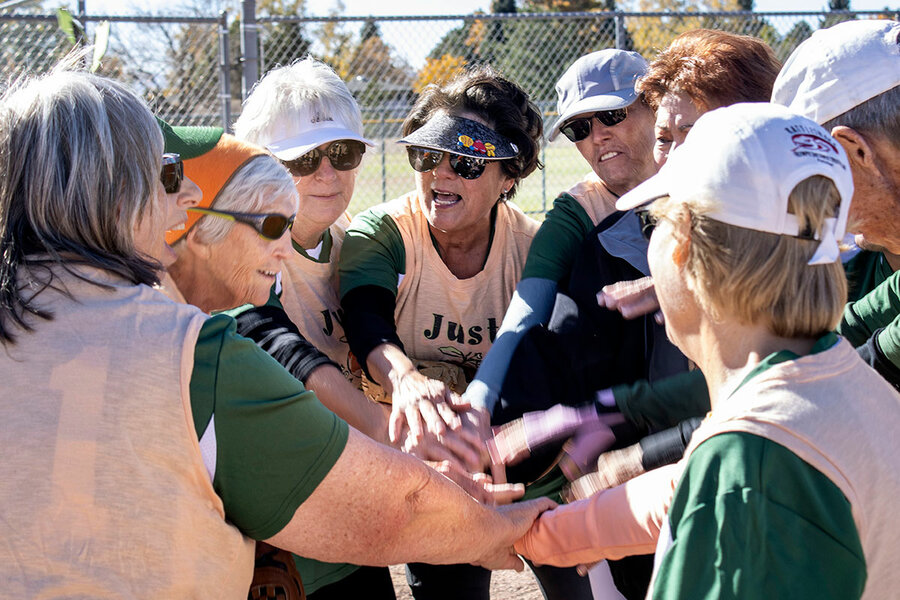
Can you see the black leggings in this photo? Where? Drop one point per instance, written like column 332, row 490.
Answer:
column 372, row 583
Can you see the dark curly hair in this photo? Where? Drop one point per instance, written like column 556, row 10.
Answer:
column 714, row 68
column 503, row 105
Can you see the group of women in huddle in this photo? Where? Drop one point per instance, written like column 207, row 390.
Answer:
column 423, row 323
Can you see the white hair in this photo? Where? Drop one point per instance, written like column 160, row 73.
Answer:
column 287, row 98
column 249, row 189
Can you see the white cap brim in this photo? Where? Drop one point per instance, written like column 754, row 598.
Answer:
column 646, row 192
column 608, row 101
column 297, row 146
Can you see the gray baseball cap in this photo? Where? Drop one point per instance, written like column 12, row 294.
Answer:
column 602, row 80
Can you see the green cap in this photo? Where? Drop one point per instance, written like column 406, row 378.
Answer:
column 189, row 142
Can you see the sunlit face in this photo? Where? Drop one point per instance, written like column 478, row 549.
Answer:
column 876, row 199
column 621, row 155
column 324, row 195
column 168, row 211
column 675, row 299
column 455, row 205
column 242, row 266
column 674, row 118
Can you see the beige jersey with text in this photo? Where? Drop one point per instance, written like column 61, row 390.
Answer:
column 440, row 317
column 310, row 297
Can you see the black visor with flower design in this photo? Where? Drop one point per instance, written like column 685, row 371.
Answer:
column 465, row 137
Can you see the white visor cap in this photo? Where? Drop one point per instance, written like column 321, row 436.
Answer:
column 304, row 131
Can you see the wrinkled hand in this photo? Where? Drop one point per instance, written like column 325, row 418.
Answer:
column 631, row 298
column 425, row 422
column 480, row 485
column 518, row 520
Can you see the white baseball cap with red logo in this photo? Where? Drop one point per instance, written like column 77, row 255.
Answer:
column 743, row 161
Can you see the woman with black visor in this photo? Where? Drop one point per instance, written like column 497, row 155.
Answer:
column 426, row 278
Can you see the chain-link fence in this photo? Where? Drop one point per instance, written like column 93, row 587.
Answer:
column 176, row 63
column 194, row 70
column 386, row 61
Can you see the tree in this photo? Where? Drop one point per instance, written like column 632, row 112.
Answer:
column 336, row 42
column 374, row 64
column 754, row 25
column 30, row 47
column 286, row 41
column 833, row 19
column 655, row 33
column 793, row 38
column 438, row 71
column 369, row 30
column 537, row 52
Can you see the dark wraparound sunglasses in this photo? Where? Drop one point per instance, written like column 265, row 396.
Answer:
column 578, row 129
column 343, row 154
column 648, row 221
column 424, row 160
column 172, row 173
column 270, row 226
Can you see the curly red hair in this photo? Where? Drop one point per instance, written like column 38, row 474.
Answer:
column 714, row 68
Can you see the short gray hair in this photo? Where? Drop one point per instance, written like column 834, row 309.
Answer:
column 287, row 94
column 80, row 157
column 249, row 189
column 879, row 115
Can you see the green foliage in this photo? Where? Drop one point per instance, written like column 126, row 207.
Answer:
column 503, row 6
column 534, row 53
column 793, row 38
column 77, row 36
column 834, row 5
column 369, row 30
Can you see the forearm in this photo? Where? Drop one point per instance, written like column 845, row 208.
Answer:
column 622, row 521
column 665, row 403
column 378, row 506
column 531, row 304
column 341, row 398
column 387, row 364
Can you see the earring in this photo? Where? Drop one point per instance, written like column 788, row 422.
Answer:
column 504, row 195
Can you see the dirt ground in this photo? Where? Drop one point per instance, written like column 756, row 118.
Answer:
column 505, row 585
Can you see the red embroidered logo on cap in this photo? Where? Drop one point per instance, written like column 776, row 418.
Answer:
column 809, row 141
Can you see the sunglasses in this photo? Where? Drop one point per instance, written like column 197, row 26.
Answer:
column 578, row 129
column 269, row 226
column 172, row 173
column 424, row 160
column 648, row 222
column 343, row 155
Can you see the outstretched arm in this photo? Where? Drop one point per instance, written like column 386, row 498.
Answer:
column 391, row 508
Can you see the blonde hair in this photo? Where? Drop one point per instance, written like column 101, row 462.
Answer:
column 754, row 276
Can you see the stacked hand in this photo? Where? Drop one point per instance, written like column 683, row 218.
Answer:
column 613, row 468
column 590, row 434
column 631, row 298
column 431, row 422
column 518, row 519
